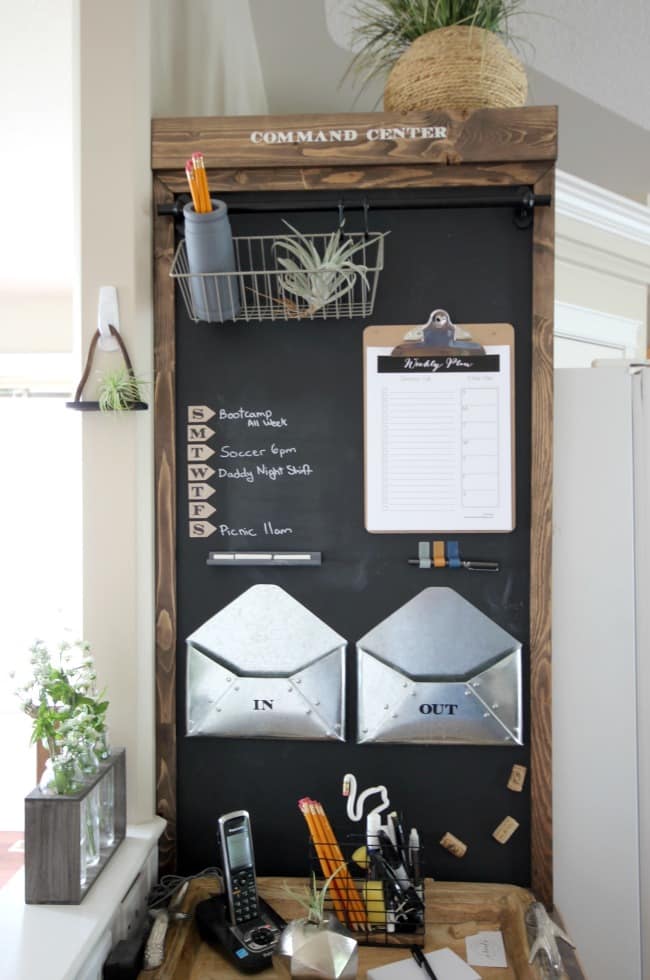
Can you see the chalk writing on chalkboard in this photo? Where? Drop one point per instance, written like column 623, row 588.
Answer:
column 241, row 447
column 254, row 419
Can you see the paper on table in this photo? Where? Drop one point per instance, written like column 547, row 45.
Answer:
column 444, row 962
column 486, row 949
column 438, row 442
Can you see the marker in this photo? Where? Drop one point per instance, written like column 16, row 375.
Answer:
column 414, row 853
column 398, row 835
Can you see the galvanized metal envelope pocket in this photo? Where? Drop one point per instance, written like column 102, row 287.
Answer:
column 439, row 670
column 266, row 667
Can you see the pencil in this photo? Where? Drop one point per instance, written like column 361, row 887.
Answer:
column 339, row 896
column 202, row 182
column 356, row 908
column 306, row 808
column 191, row 180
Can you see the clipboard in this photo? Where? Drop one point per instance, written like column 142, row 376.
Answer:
column 421, row 488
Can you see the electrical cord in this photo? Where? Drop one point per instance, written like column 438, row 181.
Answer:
column 160, row 894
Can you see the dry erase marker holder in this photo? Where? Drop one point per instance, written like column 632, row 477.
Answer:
column 395, row 913
column 257, row 290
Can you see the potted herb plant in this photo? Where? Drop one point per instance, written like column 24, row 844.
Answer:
column 440, row 54
column 76, row 818
column 68, row 716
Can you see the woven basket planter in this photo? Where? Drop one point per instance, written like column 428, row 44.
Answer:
column 456, row 68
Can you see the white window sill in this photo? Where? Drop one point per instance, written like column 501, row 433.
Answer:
column 56, row 941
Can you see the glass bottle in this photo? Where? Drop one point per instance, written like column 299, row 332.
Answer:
column 106, row 789
column 102, row 748
column 83, row 853
column 90, row 815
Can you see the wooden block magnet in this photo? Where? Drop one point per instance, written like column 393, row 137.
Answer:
column 517, row 778
column 453, row 845
column 505, row 830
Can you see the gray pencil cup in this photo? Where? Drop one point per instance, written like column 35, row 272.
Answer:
column 214, row 287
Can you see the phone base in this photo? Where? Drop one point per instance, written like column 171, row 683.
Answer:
column 251, row 946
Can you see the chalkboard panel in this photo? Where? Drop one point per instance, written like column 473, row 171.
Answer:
column 476, row 263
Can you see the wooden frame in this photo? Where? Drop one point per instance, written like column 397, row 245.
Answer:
column 484, row 148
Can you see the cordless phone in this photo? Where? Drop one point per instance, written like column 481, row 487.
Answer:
column 238, row 864
column 239, row 922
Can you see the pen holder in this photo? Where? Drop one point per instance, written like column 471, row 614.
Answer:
column 376, row 910
column 210, row 250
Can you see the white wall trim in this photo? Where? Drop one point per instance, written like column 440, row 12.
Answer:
column 602, row 260
column 589, row 326
column 602, row 209
column 113, row 235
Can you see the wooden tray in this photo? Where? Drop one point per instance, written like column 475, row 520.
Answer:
column 454, row 910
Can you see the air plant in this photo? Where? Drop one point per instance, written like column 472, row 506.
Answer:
column 119, row 390
column 314, row 278
column 313, row 899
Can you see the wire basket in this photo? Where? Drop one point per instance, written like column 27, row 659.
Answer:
column 259, row 287
column 378, row 913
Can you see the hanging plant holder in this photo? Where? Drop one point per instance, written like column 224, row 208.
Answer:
column 78, row 404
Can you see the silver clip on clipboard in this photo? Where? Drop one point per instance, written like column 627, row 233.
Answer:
column 438, row 336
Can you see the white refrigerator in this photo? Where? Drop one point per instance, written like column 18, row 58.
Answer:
column 601, row 665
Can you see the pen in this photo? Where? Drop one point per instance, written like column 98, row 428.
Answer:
column 422, row 962
column 398, row 833
column 392, row 856
column 398, row 877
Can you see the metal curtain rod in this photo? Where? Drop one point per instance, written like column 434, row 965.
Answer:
column 523, row 199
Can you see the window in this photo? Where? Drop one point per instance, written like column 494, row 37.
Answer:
column 40, row 531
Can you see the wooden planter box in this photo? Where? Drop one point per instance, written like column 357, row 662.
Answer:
column 53, row 834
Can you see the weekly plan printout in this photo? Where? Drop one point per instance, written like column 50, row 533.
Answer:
column 438, row 449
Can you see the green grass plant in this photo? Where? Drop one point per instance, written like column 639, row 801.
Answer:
column 384, row 29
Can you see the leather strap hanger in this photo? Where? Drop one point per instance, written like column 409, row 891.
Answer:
column 78, row 402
